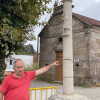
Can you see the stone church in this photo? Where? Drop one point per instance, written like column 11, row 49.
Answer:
column 86, row 47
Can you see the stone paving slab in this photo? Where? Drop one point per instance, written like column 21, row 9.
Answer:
column 68, row 97
column 92, row 93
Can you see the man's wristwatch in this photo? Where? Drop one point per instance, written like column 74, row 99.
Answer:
column 51, row 65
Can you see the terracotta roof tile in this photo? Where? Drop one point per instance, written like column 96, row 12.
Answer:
column 87, row 20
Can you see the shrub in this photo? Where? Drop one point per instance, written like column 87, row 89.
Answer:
column 2, row 76
column 32, row 67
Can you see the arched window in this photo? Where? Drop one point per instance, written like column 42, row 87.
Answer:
column 60, row 39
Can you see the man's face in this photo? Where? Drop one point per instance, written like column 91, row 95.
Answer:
column 19, row 68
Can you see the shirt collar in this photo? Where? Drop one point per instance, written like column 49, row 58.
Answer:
column 15, row 77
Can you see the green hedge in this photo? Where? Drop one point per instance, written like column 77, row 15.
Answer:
column 2, row 76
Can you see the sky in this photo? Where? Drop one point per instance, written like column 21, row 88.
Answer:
column 89, row 8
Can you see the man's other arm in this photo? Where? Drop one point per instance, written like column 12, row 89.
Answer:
column 1, row 95
column 46, row 68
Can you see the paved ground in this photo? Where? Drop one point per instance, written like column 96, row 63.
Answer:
column 93, row 93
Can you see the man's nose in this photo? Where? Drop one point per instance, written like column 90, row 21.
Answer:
column 20, row 68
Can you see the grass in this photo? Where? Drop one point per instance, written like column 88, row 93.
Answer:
column 32, row 67
column 82, row 85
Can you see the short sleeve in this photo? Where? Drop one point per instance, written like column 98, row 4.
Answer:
column 4, row 86
column 31, row 74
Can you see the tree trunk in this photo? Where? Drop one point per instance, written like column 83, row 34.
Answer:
column 2, row 63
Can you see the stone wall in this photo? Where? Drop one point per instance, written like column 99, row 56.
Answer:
column 81, row 66
column 95, row 55
column 49, row 44
column 86, row 48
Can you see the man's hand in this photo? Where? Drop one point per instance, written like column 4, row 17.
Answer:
column 55, row 64
column 46, row 68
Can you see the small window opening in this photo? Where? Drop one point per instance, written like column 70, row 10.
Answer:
column 46, row 64
column 10, row 62
column 60, row 39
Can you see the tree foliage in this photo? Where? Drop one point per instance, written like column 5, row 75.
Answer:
column 17, row 19
column 27, row 49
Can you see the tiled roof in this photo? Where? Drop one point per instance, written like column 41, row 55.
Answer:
column 87, row 20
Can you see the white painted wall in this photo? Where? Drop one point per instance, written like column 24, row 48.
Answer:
column 27, row 59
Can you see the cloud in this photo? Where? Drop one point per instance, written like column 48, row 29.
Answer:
column 80, row 5
column 89, row 8
column 96, row 1
column 93, row 11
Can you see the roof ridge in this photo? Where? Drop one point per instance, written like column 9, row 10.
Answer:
column 85, row 16
column 87, row 20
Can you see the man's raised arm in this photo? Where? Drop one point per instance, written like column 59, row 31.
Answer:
column 46, row 68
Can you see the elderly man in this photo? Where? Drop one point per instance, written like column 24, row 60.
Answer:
column 16, row 85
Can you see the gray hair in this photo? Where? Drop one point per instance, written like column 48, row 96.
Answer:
column 14, row 63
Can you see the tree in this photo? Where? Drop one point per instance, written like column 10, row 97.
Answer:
column 27, row 49
column 17, row 19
